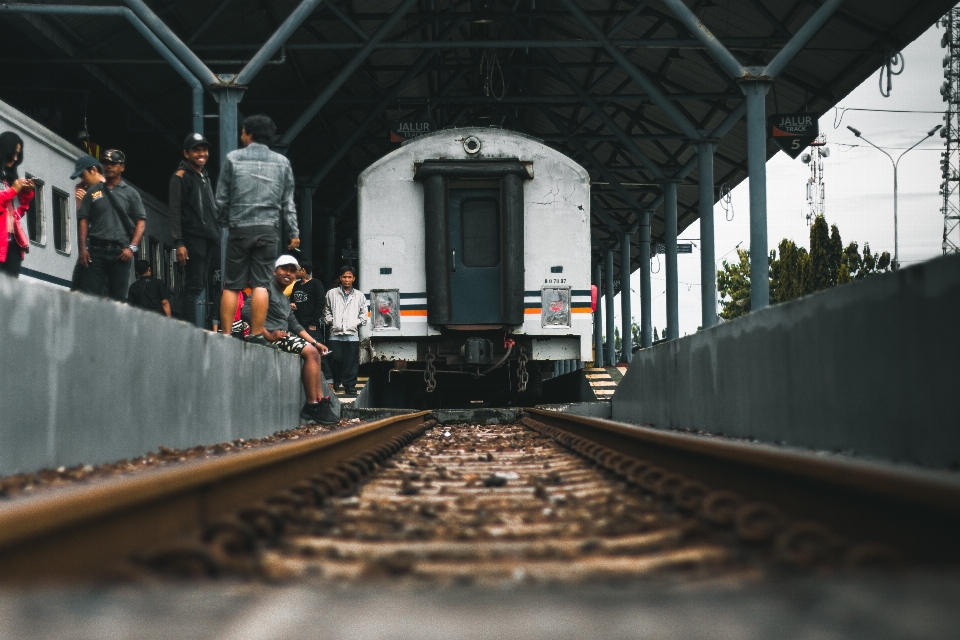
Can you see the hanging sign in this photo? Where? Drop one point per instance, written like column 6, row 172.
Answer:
column 402, row 130
column 793, row 132
column 682, row 247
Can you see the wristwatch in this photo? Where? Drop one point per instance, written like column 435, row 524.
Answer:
column 133, row 248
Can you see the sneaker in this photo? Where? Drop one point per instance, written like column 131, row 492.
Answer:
column 308, row 413
column 350, row 393
column 320, row 412
column 258, row 340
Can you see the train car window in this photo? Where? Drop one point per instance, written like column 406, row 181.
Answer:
column 36, row 227
column 480, row 228
column 61, row 221
column 156, row 258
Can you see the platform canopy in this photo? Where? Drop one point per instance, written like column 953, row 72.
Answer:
column 606, row 82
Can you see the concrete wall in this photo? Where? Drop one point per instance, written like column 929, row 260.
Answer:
column 872, row 367
column 86, row 380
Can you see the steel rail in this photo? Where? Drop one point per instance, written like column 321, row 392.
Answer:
column 915, row 511
column 83, row 529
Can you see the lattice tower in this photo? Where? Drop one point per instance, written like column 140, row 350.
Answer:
column 816, row 194
column 950, row 157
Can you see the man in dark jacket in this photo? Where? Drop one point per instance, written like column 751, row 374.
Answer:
column 148, row 292
column 307, row 301
column 193, row 224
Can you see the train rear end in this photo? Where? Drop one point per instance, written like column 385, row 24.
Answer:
column 475, row 253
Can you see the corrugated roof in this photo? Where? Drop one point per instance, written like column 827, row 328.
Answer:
column 153, row 110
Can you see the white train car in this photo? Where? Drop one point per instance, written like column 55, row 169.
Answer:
column 475, row 249
column 51, row 222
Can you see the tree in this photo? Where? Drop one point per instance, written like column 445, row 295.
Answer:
column 797, row 272
column 733, row 282
column 789, row 274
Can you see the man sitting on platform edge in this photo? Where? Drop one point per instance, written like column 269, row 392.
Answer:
column 283, row 332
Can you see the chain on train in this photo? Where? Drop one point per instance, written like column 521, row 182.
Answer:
column 429, row 374
column 522, row 371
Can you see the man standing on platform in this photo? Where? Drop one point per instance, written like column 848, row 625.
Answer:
column 255, row 189
column 193, row 223
column 112, row 217
column 346, row 312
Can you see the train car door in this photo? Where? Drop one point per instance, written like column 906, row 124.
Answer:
column 475, row 260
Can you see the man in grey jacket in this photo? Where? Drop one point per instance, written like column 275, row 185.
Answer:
column 345, row 312
column 255, row 189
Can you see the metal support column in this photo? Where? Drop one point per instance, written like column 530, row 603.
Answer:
column 755, row 82
column 598, row 318
column 670, row 237
column 305, row 219
column 610, row 357
column 708, row 267
column 626, row 320
column 756, row 92
column 646, row 322
column 330, row 250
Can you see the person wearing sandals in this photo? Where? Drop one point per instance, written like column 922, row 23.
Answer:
column 282, row 331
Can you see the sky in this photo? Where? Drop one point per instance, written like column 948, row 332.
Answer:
column 858, row 184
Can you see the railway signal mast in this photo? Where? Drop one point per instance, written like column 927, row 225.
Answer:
column 816, row 195
column 950, row 157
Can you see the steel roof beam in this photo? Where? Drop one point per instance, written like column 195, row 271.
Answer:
column 755, row 82
column 169, row 38
column 362, row 73
column 771, row 19
column 648, row 43
column 208, row 21
column 54, row 36
column 367, row 48
column 635, row 74
column 347, row 21
column 138, row 24
column 605, row 118
column 277, row 40
column 640, row 6
column 567, row 99
column 395, row 89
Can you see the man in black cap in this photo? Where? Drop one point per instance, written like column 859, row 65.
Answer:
column 112, row 217
column 193, row 223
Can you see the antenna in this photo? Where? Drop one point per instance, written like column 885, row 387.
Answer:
column 950, row 157
column 816, row 195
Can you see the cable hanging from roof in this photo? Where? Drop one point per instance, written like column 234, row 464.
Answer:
column 893, row 64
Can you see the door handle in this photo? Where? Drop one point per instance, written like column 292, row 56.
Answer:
column 454, row 263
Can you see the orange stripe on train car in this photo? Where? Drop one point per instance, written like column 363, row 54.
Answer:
column 413, row 312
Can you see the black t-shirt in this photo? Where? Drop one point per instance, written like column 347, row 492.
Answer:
column 309, row 299
column 148, row 293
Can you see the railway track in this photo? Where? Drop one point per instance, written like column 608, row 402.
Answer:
column 552, row 498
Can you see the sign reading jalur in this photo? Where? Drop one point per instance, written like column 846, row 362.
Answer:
column 793, row 132
column 401, row 130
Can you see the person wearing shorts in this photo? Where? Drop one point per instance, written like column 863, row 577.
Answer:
column 255, row 190
column 282, row 331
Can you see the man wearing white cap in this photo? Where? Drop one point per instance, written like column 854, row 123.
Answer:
column 283, row 332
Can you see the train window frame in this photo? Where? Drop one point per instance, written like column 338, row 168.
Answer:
column 41, row 218
column 464, row 253
column 61, row 196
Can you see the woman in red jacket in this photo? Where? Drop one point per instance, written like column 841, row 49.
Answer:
column 15, row 198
